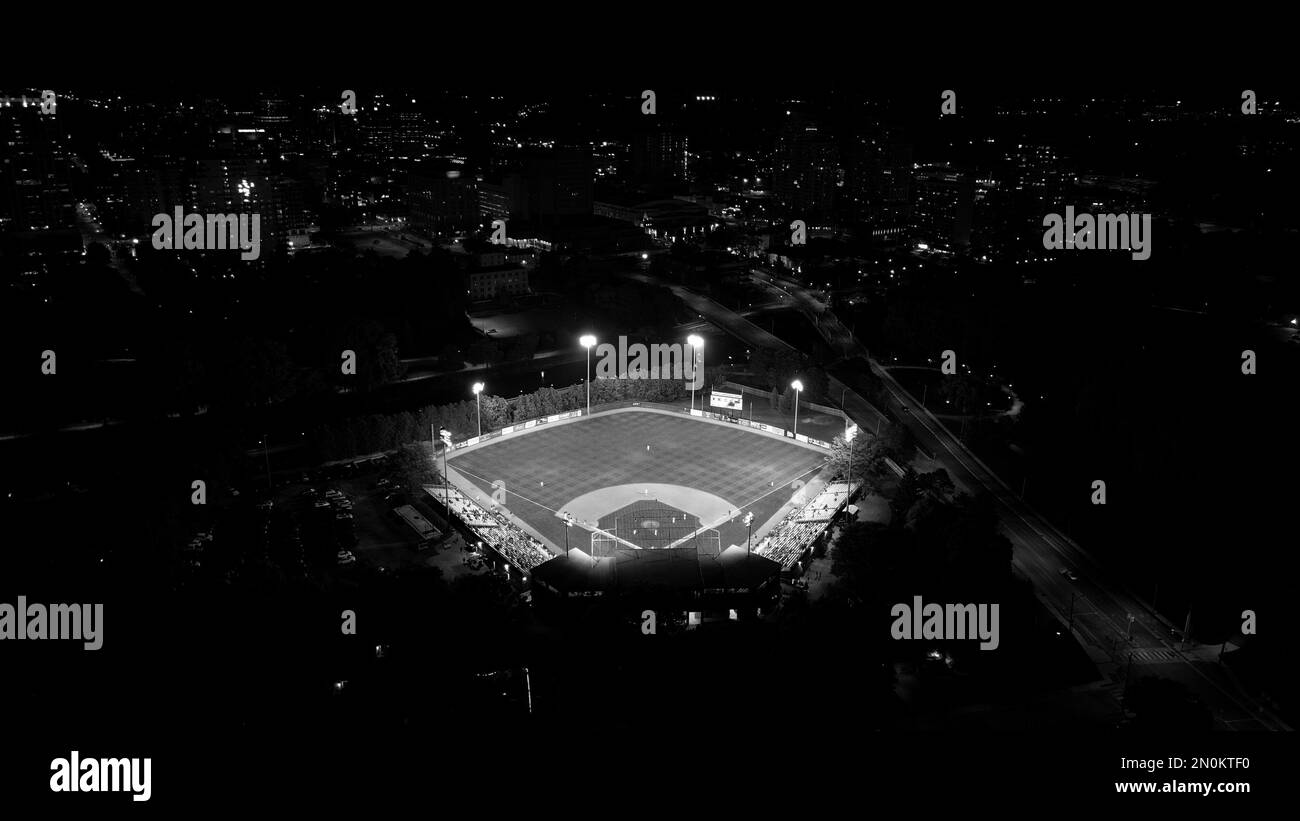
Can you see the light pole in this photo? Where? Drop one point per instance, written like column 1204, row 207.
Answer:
column 587, row 341
column 848, row 440
column 568, row 523
column 798, row 388
column 267, row 456
column 697, row 344
column 749, row 523
column 844, row 393
column 478, row 399
column 445, row 436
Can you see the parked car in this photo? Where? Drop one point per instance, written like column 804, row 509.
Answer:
column 345, row 557
column 1069, row 574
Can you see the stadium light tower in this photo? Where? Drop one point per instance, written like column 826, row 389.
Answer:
column 444, row 436
column 568, row 523
column 697, row 344
column 849, row 436
column 587, row 341
column 798, row 388
column 478, row 399
column 749, row 523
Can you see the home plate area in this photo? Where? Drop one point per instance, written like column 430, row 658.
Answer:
column 650, row 524
column 651, row 516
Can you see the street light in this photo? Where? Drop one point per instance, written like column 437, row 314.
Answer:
column 798, row 387
column 697, row 343
column 478, row 399
column 587, row 341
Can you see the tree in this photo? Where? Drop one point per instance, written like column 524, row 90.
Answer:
column 962, row 390
column 786, row 405
column 815, row 382
column 871, row 558
column 262, row 372
column 415, row 469
column 957, row 541
column 378, row 362
column 496, row 413
column 860, row 452
column 405, row 429
column 897, row 443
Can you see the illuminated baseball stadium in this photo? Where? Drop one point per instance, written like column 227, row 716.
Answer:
column 642, row 504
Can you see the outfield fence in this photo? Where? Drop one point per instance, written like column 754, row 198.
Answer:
column 520, row 427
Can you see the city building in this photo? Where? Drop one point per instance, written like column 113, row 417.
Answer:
column 442, row 201
column 494, row 274
column 38, row 212
column 660, row 159
column 942, row 208
column 807, row 171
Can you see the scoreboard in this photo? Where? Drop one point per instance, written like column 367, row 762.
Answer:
column 731, row 401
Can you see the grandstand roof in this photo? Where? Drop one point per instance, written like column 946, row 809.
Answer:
column 680, row 569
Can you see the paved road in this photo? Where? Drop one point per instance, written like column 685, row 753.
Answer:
column 1101, row 606
column 1095, row 606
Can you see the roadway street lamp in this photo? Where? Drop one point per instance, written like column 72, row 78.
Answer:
column 798, row 388
column 587, row 341
column 697, row 344
column 478, row 399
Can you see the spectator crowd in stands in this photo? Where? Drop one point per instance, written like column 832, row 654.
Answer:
column 794, row 535
column 513, row 545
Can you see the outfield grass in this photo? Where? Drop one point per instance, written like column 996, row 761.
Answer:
column 602, row 451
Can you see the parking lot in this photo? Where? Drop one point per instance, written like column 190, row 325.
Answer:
column 334, row 524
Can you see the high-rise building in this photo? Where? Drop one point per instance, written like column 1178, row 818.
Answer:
column 38, row 213
column 126, row 195
column 442, row 201
column 1036, row 168
column 878, row 180
column 807, row 170
column 942, row 208
column 36, row 168
column 546, row 185
column 559, row 183
column 660, row 159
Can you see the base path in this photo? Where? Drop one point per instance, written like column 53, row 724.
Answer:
column 588, row 508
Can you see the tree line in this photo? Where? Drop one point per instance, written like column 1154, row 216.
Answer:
column 373, row 433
